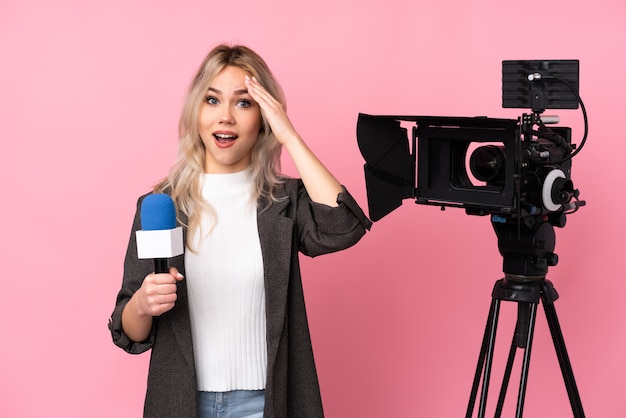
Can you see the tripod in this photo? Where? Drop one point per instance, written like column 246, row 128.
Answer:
column 528, row 251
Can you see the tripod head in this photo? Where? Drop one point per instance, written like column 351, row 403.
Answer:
column 527, row 247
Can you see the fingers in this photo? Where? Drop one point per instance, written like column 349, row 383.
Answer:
column 157, row 294
column 164, row 278
column 271, row 107
column 259, row 93
column 272, row 110
column 161, row 284
column 176, row 274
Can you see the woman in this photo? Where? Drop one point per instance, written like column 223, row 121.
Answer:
column 227, row 326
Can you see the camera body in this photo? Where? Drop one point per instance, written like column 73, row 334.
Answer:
column 484, row 165
column 493, row 166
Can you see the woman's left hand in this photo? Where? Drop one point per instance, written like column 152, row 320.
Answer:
column 272, row 110
column 321, row 185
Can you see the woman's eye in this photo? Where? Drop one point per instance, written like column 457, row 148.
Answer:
column 211, row 100
column 244, row 103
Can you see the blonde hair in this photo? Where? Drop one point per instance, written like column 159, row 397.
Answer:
column 183, row 181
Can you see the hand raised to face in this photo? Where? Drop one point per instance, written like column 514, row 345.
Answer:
column 272, row 110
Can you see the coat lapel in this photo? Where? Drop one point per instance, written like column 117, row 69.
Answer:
column 181, row 325
column 276, row 235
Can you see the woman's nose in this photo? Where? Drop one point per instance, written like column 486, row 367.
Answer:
column 227, row 115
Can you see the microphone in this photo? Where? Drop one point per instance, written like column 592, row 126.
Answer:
column 159, row 238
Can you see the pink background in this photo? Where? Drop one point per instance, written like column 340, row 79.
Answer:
column 90, row 94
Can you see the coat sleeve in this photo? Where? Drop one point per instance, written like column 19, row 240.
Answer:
column 135, row 270
column 324, row 229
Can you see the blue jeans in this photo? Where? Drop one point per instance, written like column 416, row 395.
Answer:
column 233, row 404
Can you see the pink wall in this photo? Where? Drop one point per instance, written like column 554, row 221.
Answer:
column 90, row 94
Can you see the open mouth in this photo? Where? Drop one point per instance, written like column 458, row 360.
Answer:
column 225, row 138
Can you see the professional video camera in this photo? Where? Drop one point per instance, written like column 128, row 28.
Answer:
column 516, row 170
column 512, row 168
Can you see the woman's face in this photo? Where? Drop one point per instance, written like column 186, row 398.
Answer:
column 229, row 123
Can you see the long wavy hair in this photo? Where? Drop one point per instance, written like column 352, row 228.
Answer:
column 183, row 181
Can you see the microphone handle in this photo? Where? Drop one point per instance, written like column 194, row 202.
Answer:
column 161, row 265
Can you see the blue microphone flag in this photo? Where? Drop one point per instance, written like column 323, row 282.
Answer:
column 157, row 212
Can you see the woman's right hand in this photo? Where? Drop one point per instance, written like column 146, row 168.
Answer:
column 156, row 296
column 157, row 293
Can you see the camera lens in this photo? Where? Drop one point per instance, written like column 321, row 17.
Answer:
column 487, row 163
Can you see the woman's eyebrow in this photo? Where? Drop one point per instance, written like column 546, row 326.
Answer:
column 235, row 93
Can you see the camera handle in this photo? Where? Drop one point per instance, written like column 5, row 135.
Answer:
column 524, row 282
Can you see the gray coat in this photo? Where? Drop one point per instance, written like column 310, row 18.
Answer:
column 295, row 224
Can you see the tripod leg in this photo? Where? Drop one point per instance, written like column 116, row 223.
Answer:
column 480, row 366
column 526, row 363
column 506, row 378
column 548, row 297
column 485, row 359
column 522, row 338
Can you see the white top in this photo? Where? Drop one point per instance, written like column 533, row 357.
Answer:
column 226, row 289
